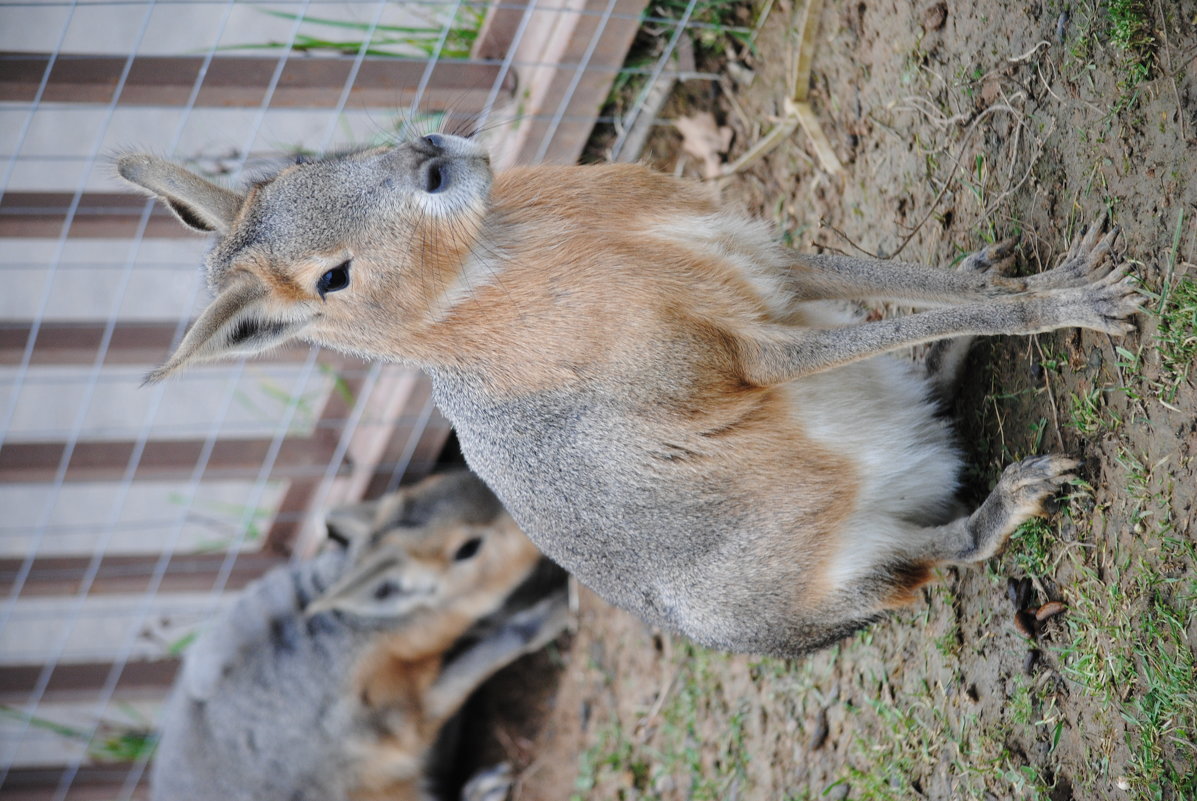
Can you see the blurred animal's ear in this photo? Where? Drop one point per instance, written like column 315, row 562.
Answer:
column 240, row 322
column 352, row 523
column 198, row 203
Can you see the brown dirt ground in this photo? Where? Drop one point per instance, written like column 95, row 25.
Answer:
column 956, row 123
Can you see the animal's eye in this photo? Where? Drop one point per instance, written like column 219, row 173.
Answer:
column 468, row 549
column 334, row 280
column 434, row 179
column 385, row 590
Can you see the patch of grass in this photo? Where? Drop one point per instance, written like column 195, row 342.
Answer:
column 1085, row 411
column 679, row 754
column 1124, row 646
column 711, row 23
column 111, row 742
column 903, row 739
column 1127, row 649
column 458, row 33
column 1126, row 26
column 1176, row 336
column 1130, row 31
column 1088, row 412
column 1031, row 546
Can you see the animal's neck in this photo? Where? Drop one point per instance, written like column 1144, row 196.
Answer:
column 559, row 245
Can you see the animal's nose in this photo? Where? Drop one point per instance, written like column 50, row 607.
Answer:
column 436, row 140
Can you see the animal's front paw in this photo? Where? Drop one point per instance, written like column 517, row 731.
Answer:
column 1090, row 260
column 1025, row 485
column 540, row 624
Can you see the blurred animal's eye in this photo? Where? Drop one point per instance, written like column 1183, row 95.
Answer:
column 468, row 549
column 334, row 280
column 385, row 590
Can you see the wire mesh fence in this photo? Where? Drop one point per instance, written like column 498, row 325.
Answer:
column 129, row 513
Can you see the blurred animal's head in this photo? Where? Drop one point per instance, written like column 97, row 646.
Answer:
column 444, row 544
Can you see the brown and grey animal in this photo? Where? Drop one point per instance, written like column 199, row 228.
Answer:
column 666, row 399
column 333, row 678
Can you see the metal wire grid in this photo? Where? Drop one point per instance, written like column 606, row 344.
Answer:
column 90, row 378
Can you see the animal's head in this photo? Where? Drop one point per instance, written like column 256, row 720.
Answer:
column 340, row 251
column 444, row 544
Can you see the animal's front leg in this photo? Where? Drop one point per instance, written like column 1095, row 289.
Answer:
column 830, row 276
column 1018, row 496
column 523, row 633
column 775, row 354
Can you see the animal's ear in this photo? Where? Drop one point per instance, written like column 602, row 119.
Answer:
column 240, row 322
column 352, row 523
column 198, row 203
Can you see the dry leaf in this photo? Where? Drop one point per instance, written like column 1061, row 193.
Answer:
column 706, row 141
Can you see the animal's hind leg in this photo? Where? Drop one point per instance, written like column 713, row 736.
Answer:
column 828, row 276
column 1018, row 496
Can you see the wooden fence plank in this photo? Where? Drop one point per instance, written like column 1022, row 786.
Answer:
column 163, row 460
column 242, row 81
column 98, row 215
column 62, row 575
column 574, row 81
column 70, row 682
column 91, row 783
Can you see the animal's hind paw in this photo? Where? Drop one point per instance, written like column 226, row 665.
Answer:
column 1105, row 305
column 1018, row 496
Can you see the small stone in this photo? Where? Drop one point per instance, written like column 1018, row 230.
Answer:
column 934, row 16
column 1050, row 610
column 1062, row 26
column 1012, row 591
column 819, row 733
column 1122, row 783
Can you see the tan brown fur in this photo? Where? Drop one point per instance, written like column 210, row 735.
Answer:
column 396, row 678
